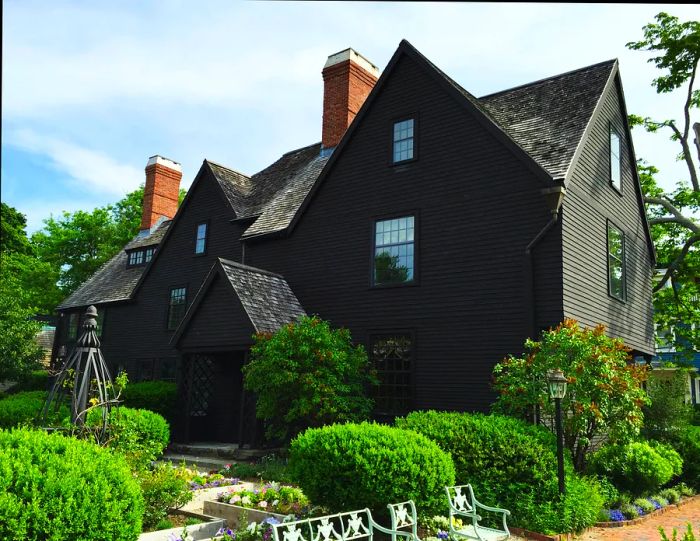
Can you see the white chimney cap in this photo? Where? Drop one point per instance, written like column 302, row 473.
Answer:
column 166, row 162
column 357, row 58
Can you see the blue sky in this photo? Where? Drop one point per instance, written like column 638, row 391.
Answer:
column 91, row 89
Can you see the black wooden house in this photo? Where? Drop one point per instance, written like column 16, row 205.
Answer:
column 441, row 229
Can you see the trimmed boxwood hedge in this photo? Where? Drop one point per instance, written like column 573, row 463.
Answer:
column 58, row 488
column 511, row 464
column 140, row 435
column 157, row 396
column 353, row 466
column 24, row 408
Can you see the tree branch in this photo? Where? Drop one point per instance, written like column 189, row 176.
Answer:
column 676, row 262
column 670, row 207
column 684, row 140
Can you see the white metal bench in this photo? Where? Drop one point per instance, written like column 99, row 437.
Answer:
column 467, row 506
column 350, row 526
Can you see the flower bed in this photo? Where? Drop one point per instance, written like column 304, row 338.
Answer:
column 270, row 498
column 634, row 513
column 198, row 479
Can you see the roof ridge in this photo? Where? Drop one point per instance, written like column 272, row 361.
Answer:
column 550, row 78
column 298, row 150
column 226, row 167
column 249, row 268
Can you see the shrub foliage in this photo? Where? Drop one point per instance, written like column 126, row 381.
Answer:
column 667, row 416
column 307, row 375
column 139, row 435
column 157, row 396
column 59, row 488
column 163, row 487
column 637, row 467
column 22, row 409
column 353, row 466
column 511, row 464
column 604, row 394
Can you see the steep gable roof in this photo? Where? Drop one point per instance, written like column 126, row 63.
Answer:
column 114, row 281
column 548, row 118
column 267, row 299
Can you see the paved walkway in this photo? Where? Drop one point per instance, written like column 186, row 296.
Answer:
column 648, row 530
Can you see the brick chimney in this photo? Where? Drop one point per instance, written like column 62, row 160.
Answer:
column 162, row 190
column 348, row 78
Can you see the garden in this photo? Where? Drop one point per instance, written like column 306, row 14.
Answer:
column 632, row 447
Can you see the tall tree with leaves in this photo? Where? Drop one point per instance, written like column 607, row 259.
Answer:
column 673, row 216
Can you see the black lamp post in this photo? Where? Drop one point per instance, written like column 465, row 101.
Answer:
column 557, row 390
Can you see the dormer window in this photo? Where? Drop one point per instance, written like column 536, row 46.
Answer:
column 200, row 244
column 136, row 258
column 149, row 254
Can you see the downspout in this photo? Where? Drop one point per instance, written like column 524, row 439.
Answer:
column 553, row 198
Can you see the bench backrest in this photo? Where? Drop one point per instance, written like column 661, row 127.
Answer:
column 403, row 515
column 350, row 526
column 461, row 499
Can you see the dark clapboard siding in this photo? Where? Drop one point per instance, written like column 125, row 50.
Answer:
column 589, row 203
column 477, row 207
column 141, row 324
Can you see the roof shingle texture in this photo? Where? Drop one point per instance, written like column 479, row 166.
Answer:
column 267, row 298
column 113, row 281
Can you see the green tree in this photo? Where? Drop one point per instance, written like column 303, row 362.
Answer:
column 604, row 395
column 668, row 415
column 13, row 235
column 675, row 49
column 308, row 375
column 19, row 352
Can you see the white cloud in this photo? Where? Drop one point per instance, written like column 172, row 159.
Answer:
column 93, row 170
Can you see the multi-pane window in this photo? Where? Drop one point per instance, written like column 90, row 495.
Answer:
column 136, row 258
column 394, row 251
column 149, row 254
column 391, row 357
column 100, row 322
column 616, row 262
column 403, row 140
column 176, row 309
column 201, row 240
column 73, row 326
column 615, row 159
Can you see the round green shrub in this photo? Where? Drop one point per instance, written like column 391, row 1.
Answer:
column 670, row 494
column 636, row 467
column 140, row 435
column 510, row 464
column 629, row 510
column 157, row 396
column 37, row 380
column 60, row 488
column 352, row 466
column 23, row 409
column 163, row 487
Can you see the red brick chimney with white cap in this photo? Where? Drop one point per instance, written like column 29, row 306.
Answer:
column 348, row 78
column 162, row 190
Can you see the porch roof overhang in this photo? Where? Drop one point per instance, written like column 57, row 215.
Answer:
column 257, row 301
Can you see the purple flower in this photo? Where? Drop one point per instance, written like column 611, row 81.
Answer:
column 271, row 521
column 640, row 511
column 655, row 503
column 616, row 515
column 442, row 534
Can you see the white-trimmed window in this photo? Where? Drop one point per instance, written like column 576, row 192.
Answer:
column 136, row 258
column 403, row 140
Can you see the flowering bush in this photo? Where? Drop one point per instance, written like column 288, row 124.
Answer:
column 605, row 394
column 201, row 479
column 270, row 497
column 255, row 531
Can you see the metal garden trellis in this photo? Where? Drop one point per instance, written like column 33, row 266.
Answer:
column 85, row 380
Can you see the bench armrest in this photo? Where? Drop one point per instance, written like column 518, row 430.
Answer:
column 389, row 531
column 477, row 503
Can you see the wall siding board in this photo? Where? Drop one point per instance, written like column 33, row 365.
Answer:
column 589, row 203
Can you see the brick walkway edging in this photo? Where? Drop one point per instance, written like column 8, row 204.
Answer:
column 535, row 536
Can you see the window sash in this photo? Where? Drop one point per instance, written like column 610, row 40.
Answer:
column 616, row 263
column 201, row 239
column 392, row 357
column 615, row 159
column 73, row 326
column 395, row 240
column 136, row 258
column 177, row 306
column 149, row 254
column 403, row 140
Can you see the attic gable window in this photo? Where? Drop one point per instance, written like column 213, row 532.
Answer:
column 403, row 140
column 200, row 244
column 617, row 272
column 615, row 160
column 176, row 307
column 149, row 254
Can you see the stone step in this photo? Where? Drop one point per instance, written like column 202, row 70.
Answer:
column 202, row 463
